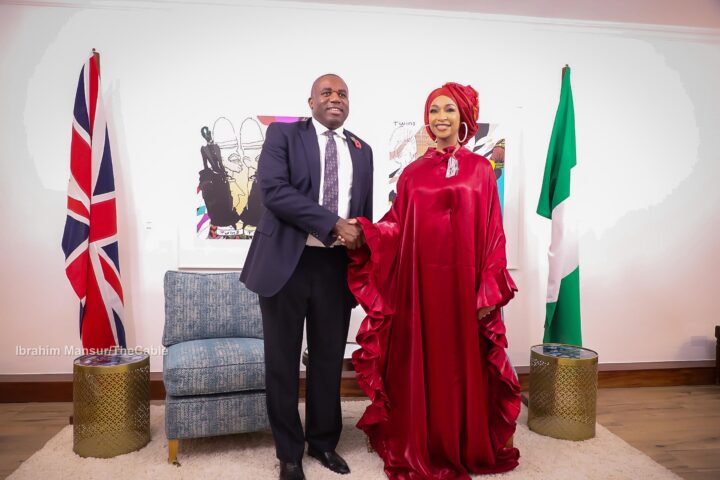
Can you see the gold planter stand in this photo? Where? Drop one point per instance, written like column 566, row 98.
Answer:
column 111, row 404
column 563, row 391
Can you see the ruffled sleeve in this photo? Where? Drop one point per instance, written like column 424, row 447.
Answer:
column 371, row 280
column 495, row 285
column 366, row 281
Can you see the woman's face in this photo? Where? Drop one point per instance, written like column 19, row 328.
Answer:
column 444, row 118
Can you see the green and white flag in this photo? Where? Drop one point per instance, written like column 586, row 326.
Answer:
column 562, row 314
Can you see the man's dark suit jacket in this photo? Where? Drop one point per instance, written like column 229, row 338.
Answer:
column 289, row 178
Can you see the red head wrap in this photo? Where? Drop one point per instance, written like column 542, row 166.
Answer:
column 466, row 98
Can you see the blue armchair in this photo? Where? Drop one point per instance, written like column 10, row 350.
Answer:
column 214, row 368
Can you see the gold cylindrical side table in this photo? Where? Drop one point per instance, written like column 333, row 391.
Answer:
column 111, row 404
column 563, row 391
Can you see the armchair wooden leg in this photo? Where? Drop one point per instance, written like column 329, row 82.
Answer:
column 509, row 443
column 173, row 445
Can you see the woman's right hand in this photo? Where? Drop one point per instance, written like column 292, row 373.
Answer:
column 484, row 311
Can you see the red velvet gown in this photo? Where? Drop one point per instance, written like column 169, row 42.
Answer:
column 444, row 397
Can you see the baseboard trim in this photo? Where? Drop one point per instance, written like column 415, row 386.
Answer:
column 22, row 388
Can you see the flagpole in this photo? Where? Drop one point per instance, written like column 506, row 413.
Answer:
column 562, row 309
column 92, row 263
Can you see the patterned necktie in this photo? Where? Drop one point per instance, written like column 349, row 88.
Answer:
column 330, row 181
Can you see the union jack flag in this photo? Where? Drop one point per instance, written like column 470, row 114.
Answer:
column 90, row 239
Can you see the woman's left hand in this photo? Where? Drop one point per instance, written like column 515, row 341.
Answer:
column 484, row 311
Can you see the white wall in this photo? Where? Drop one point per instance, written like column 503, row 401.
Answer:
column 647, row 114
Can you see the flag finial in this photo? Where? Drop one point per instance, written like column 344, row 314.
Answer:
column 96, row 55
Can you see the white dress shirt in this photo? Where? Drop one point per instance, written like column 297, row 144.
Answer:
column 345, row 171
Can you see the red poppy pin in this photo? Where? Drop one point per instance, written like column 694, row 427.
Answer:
column 357, row 143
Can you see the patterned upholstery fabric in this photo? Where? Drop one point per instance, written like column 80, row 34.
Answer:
column 210, row 415
column 214, row 369
column 209, row 305
column 217, row 365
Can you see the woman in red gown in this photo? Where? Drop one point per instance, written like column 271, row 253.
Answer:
column 432, row 280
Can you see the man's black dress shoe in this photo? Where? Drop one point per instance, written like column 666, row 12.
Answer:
column 330, row 460
column 291, row 471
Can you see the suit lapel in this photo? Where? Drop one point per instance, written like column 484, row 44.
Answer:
column 312, row 155
column 357, row 173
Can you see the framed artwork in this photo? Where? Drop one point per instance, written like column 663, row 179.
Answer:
column 227, row 202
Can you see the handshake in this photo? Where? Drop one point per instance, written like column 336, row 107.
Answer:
column 349, row 233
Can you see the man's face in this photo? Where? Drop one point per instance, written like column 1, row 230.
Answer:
column 329, row 101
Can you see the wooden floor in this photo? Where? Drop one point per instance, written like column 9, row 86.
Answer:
column 679, row 427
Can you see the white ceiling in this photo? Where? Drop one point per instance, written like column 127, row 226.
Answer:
column 682, row 13
column 678, row 13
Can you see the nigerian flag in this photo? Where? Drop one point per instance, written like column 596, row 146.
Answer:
column 562, row 314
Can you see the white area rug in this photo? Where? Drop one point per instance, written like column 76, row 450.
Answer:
column 252, row 456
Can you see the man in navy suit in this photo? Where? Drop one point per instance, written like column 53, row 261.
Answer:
column 315, row 178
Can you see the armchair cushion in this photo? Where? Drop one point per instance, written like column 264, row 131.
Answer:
column 209, row 305
column 217, row 365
